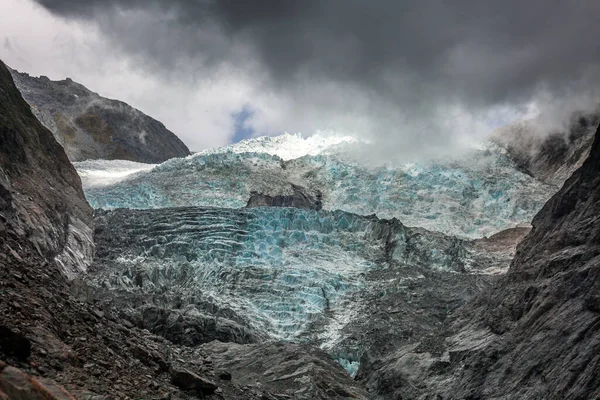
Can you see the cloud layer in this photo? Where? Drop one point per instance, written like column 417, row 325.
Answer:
column 420, row 75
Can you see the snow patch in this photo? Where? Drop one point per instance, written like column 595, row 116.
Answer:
column 100, row 173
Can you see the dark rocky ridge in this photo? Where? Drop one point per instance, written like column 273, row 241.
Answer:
column 546, row 309
column 41, row 200
column 535, row 335
column 89, row 126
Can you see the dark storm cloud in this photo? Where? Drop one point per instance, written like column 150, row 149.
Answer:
column 400, row 55
column 493, row 50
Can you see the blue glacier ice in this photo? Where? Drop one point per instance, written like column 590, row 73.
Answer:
column 474, row 195
column 349, row 365
column 292, row 273
column 280, row 267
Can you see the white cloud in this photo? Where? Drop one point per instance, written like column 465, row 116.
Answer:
column 34, row 41
column 198, row 103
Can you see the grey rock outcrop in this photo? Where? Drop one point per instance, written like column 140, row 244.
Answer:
column 300, row 198
column 89, row 126
column 189, row 381
column 285, row 370
column 41, row 200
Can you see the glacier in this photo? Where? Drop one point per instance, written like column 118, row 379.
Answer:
column 290, row 146
column 180, row 233
column 280, row 268
column 291, row 273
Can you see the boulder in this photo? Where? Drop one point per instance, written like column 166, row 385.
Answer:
column 187, row 380
column 17, row 385
column 13, row 344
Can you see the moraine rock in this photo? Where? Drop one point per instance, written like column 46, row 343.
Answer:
column 187, row 380
column 17, row 385
column 290, row 370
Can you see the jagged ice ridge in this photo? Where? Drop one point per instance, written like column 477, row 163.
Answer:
column 475, row 195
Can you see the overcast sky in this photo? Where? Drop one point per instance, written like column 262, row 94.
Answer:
column 420, row 76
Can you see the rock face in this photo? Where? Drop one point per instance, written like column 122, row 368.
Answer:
column 535, row 335
column 300, row 198
column 544, row 316
column 41, row 200
column 89, row 126
column 549, row 156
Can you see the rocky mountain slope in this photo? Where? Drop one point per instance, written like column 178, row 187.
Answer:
column 535, row 334
column 545, row 312
column 89, row 126
column 42, row 200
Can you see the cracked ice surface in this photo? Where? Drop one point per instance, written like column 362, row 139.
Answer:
column 474, row 195
column 293, row 273
column 284, row 269
column 290, row 273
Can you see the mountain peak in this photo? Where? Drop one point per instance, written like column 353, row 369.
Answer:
column 89, row 126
